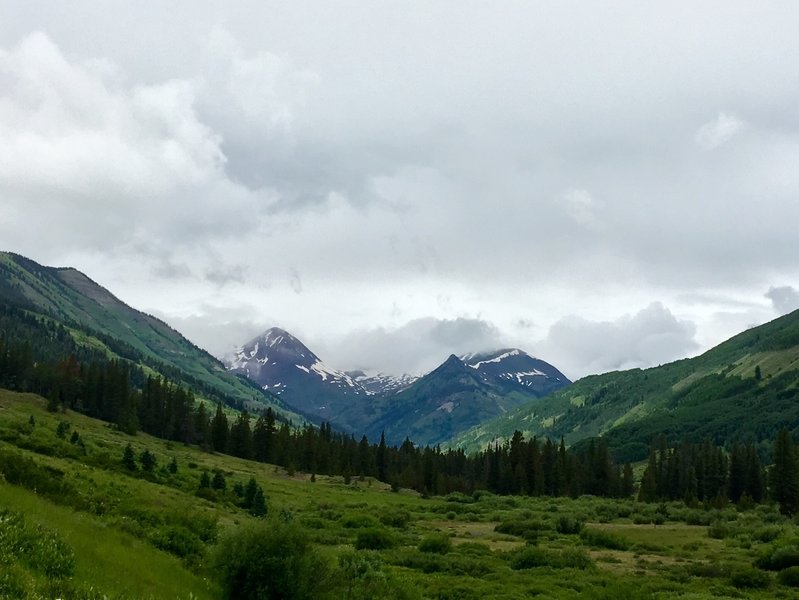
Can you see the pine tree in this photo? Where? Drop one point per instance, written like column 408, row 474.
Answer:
column 218, row 482
column 219, row 430
column 258, row 506
column 129, row 458
column 785, row 474
column 205, row 481
column 382, row 459
column 147, row 460
column 173, row 466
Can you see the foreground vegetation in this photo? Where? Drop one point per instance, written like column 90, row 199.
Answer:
column 77, row 522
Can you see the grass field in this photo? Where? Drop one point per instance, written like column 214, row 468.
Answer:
column 150, row 535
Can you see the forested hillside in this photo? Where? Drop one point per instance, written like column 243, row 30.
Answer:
column 744, row 390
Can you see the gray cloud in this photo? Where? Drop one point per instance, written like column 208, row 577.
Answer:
column 415, row 347
column 530, row 159
column 784, row 299
column 650, row 337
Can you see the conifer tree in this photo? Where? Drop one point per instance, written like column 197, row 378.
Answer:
column 129, row 458
column 785, row 474
column 219, row 430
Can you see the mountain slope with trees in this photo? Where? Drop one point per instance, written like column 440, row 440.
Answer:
column 57, row 312
column 744, row 390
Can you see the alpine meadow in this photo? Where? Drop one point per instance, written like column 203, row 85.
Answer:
column 399, row 301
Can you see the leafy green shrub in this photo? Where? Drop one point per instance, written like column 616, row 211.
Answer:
column 568, row 525
column 769, row 533
column 179, row 541
column 271, row 559
column 789, row 577
column 361, row 576
column 436, row 544
column 399, row 519
column 750, row 578
column 603, row 539
column 357, row 521
column 718, row 530
column 373, row 538
column 530, row 557
column 461, row 498
column 527, row 530
column 779, row 557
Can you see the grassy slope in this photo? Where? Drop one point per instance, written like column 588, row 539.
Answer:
column 617, row 401
column 113, row 556
column 69, row 296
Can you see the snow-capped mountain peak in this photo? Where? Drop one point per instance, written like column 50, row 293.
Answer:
column 513, row 365
column 377, row 383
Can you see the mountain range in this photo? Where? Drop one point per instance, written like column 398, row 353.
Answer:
column 744, row 389
column 430, row 409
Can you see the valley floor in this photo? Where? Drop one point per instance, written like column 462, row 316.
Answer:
column 75, row 522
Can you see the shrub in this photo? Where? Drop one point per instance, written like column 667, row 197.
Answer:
column 436, row 544
column 362, row 577
column 527, row 530
column 357, row 521
column 750, row 578
column 789, row 577
column 568, row 525
column 270, row 560
column 373, row 538
column 778, row 558
column 178, row 540
column 531, row 556
column 398, row 519
column 718, row 530
column 604, row 539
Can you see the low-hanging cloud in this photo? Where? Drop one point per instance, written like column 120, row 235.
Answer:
column 415, row 347
column 650, row 337
column 784, row 299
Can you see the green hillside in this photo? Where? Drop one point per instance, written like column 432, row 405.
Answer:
column 744, row 389
column 99, row 321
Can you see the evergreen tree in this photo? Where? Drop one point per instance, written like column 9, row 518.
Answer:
column 218, row 482
column 258, row 506
column 205, row 481
column 785, row 474
column 173, row 466
column 219, row 430
column 147, row 460
column 129, row 458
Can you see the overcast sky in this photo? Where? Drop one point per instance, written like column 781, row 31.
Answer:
column 605, row 187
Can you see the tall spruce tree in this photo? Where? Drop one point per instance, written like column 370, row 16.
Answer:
column 785, row 474
column 219, row 430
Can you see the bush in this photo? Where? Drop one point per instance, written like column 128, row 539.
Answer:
column 357, row 521
column 778, row 558
column 362, row 577
column 604, row 539
column 527, row 530
column 718, row 530
column 373, row 538
column 568, row 525
column 398, row 519
column 269, row 560
column 178, row 540
column 530, row 557
column 750, row 578
column 789, row 577
column 38, row 548
column 436, row 544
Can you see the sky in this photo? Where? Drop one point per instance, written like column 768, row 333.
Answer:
column 605, row 185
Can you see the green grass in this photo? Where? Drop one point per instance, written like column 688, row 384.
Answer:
column 499, row 547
